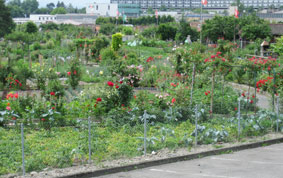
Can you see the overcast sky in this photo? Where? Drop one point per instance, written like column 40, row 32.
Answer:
column 76, row 3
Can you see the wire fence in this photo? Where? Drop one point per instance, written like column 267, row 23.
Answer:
column 240, row 124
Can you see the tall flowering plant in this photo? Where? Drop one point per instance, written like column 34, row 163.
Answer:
column 217, row 63
column 74, row 74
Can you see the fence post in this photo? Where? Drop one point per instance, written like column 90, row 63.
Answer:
column 144, row 138
column 89, row 141
column 277, row 121
column 273, row 93
column 239, row 117
column 255, row 91
column 23, row 149
column 193, row 80
column 196, row 122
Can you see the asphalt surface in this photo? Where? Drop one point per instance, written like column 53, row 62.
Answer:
column 264, row 162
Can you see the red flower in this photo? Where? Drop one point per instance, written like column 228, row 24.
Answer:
column 110, row 84
column 121, row 82
column 8, row 104
column 52, row 93
column 53, row 108
column 251, row 101
column 123, row 105
column 117, row 86
column 135, row 96
column 236, row 109
column 16, row 95
column 98, row 100
column 243, row 94
column 20, row 84
column 173, row 100
column 206, row 93
column 75, row 72
column 43, row 119
column 14, row 118
column 69, row 73
column 172, row 84
column 253, row 96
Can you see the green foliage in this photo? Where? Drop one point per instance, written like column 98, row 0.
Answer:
column 278, row 46
column 220, row 27
column 49, row 26
column 143, row 20
column 128, row 30
column 74, row 74
column 58, row 10
column 108, row 55
column 167, row 31
column 31, row 27
column 107, row 29
column 249, row 27
column 117, row 41
column 149, row 32
column 6, row 22
column 184, row 30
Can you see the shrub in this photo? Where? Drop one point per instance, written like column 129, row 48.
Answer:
column 117, row 41
column 74, row 74
column 108, row 55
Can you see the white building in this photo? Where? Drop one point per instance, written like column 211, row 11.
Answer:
column 42, row 18
column 102, row 8
column 20, row 21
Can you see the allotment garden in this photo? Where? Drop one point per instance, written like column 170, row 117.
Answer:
column 56, row 79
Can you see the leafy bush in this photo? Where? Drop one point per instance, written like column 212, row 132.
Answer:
column 74, row 74
column 117, row 41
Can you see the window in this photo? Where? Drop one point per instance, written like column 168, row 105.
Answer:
column 109, row 7
column 39, row 18
column 96, row 7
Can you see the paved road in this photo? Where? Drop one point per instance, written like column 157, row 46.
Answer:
column 264, row 162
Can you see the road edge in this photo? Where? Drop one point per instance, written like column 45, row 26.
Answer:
column 146, row 164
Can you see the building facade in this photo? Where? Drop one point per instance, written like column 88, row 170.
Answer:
column 186, row 4
column 103, row 9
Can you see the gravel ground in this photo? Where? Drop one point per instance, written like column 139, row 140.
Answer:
column 162, row 154
column 264, row 98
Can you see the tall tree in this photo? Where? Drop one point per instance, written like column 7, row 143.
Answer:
column 60, row 4
column 59, row 10
column 6, row 21
column 30, row 6
column 50, row 6
column 16, row 11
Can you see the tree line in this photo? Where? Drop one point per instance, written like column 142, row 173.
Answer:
column 26, row 7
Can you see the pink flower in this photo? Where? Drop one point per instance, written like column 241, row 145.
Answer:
column 8, row 108
column 52, row 93
column 69, row 73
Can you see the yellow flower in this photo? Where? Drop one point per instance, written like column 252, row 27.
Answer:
column 101, row 72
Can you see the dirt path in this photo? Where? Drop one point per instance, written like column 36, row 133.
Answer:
column 264, row 98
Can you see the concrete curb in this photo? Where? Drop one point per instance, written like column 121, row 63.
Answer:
column 173, row 159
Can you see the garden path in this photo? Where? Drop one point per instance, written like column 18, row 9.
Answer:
column 264, row 98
